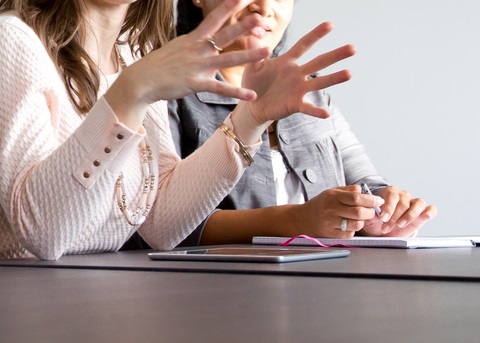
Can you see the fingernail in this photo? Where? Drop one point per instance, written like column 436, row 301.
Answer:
column 379, row 201
column 386, row 229
column 384, row 217
column 402, row 224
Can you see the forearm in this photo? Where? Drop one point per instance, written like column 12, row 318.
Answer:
column 239, row 226
column 212, row 171
column 245, row 126
column 126, row 100
column 53, row 192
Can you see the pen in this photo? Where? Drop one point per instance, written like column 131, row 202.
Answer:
column 366, row 190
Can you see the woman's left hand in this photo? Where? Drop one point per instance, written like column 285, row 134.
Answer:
column 402, row 215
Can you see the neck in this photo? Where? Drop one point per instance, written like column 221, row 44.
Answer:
column 104, row 24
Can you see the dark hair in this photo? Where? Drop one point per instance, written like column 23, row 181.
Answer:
column 190, row 16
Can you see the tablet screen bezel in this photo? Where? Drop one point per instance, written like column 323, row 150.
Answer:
column 249, row 254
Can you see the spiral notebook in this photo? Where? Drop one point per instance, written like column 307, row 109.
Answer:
column 374, row 242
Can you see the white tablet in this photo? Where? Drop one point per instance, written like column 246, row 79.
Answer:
column 248, row 254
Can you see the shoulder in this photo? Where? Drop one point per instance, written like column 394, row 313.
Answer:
column 11, row 18
column 14, row 28
column 22, row 53
column 18, row 41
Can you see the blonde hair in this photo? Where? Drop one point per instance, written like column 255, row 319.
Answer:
column 59, row 24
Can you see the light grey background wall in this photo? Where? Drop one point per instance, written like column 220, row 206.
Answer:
column 414, row 99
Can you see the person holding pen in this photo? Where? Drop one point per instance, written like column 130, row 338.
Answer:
column 87, row 157
column 307, row 174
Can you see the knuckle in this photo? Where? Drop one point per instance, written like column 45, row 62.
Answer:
column 403, row 203
column 356, row 198
column 329, row 192
column 357, row 225
column 356, row 188
column 359, row 212
column 419, row 202
column 394, row 189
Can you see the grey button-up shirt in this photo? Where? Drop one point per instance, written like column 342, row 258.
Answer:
column 322, row 153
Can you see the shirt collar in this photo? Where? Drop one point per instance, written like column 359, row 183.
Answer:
column 212, row 98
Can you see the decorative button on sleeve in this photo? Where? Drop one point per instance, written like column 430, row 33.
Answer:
column 106, row 144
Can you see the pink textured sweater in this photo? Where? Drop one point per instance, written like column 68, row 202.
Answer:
column 48, row 207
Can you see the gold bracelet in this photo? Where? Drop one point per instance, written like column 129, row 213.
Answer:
column 243, row 149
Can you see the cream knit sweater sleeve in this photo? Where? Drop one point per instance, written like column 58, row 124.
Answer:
column 44, row 143
column 190, row 189
column 53, row 199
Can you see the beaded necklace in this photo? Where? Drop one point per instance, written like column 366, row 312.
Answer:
column 137, row 216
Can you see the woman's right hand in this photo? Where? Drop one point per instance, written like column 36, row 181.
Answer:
column 281, row 84
column 185, row 65
column 322, row 215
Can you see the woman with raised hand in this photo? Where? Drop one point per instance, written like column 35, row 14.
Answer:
column 87, row 157
column 307, row 173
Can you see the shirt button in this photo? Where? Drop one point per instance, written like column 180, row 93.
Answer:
column 86, row 174
column 107, row 149
column 120, row 136
column 96, row 163
column 310, row 175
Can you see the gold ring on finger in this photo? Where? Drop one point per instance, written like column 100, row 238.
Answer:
column 212, row 42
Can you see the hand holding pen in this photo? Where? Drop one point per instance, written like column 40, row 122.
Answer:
column 378, row 211
column 337, row 212
column 400, row 215
column 343, row 212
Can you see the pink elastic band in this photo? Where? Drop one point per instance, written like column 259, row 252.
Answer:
column 316, row 241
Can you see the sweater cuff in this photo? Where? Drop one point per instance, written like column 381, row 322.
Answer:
column 107, row 143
